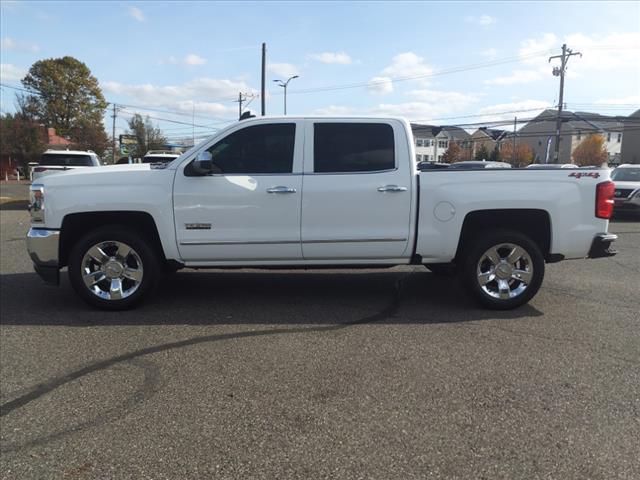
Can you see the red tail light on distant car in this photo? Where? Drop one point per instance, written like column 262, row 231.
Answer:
column 604, row 199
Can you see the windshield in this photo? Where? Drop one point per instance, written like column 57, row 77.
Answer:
column 63, row 160
column 626, row 174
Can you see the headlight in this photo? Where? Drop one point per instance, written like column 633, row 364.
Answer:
column 36, row 203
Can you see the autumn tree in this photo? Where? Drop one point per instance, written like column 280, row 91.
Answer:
column 453, row 153
column 522, row 157
column 67, row 97
column 590, row 151
column 482, row 153
column 21, row 139
column 148, row 136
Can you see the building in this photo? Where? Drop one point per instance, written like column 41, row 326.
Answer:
column 630, row 149
column 540, row 134
column 490, row 138
column 431, row 142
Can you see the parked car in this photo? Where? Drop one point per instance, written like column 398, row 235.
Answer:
column 432, row 165
column 476, row 164
column 627, row 192
column 59, row 161
column 160, row 156
column 299, row 192
column 552, row 165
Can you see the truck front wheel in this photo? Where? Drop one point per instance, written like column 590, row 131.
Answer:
column 113, row 268
column 503, row 269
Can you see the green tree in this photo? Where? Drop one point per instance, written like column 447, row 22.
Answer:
column 495, row 155
column 148, row 136
column 67, row 97
column 482, row 153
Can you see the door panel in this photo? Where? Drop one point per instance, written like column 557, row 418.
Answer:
column 356, row 215
column 241, row 216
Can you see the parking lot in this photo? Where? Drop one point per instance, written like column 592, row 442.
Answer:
column 322, row 374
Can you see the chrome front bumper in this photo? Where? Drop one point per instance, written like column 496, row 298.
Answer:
column 43, row 247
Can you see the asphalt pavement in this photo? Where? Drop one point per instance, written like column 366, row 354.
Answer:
column 387, row 374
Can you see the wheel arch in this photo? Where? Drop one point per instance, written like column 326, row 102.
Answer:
column 76, row 225
column 535, row 223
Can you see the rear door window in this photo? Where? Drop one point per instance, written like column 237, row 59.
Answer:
column 353, row 147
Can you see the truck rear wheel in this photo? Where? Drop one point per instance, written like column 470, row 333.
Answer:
column 503, row 269
column 113, row 268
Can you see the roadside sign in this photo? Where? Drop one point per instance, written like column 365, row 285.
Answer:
column 128, row 144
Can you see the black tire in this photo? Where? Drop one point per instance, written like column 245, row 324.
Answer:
column 145, row 254
column 475, row 253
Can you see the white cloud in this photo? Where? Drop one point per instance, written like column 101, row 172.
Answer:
column 523, row 108
column 211, row 95
column 380, row 85
column 331, row 57
column 599, row 52
column 193, row 59
column 427, row 105
column 453, row 100
column 11, row 73
column 484, row 20
column 8, row 43
column 334, row 110
column 284, row 70
column 136, row 13
column 407, row 64
column 490, row 52
column 630, row 100
column 517, row 77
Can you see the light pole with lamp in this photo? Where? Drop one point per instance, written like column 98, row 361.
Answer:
column 284, row 85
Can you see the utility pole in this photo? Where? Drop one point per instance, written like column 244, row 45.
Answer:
column 559, row 72
column 113, row 134
column 242, row 97
column 193, row 122
column 262, row 91
column 515, row 122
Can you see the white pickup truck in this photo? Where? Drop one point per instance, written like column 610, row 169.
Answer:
column 306, row 192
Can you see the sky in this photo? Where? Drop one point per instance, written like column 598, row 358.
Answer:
column 440, row 63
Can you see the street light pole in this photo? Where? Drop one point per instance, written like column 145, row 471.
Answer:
column 284, row 85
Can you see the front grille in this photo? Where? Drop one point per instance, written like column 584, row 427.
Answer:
column 623, row 192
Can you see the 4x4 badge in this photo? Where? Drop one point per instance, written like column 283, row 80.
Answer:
column 585, row 174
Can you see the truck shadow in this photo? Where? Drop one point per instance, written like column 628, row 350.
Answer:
column 257, row 297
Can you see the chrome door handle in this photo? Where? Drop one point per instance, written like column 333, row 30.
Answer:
column 392, row 188
column 281, row 189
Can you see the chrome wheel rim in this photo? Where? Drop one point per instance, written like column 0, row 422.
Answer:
column 112, row 270
column 505, row 271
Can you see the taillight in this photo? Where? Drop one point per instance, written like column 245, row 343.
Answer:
column 604, row 199
column 40, row 169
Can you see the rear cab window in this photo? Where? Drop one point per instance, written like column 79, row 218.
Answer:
column 63, row 160
column 341, row 147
